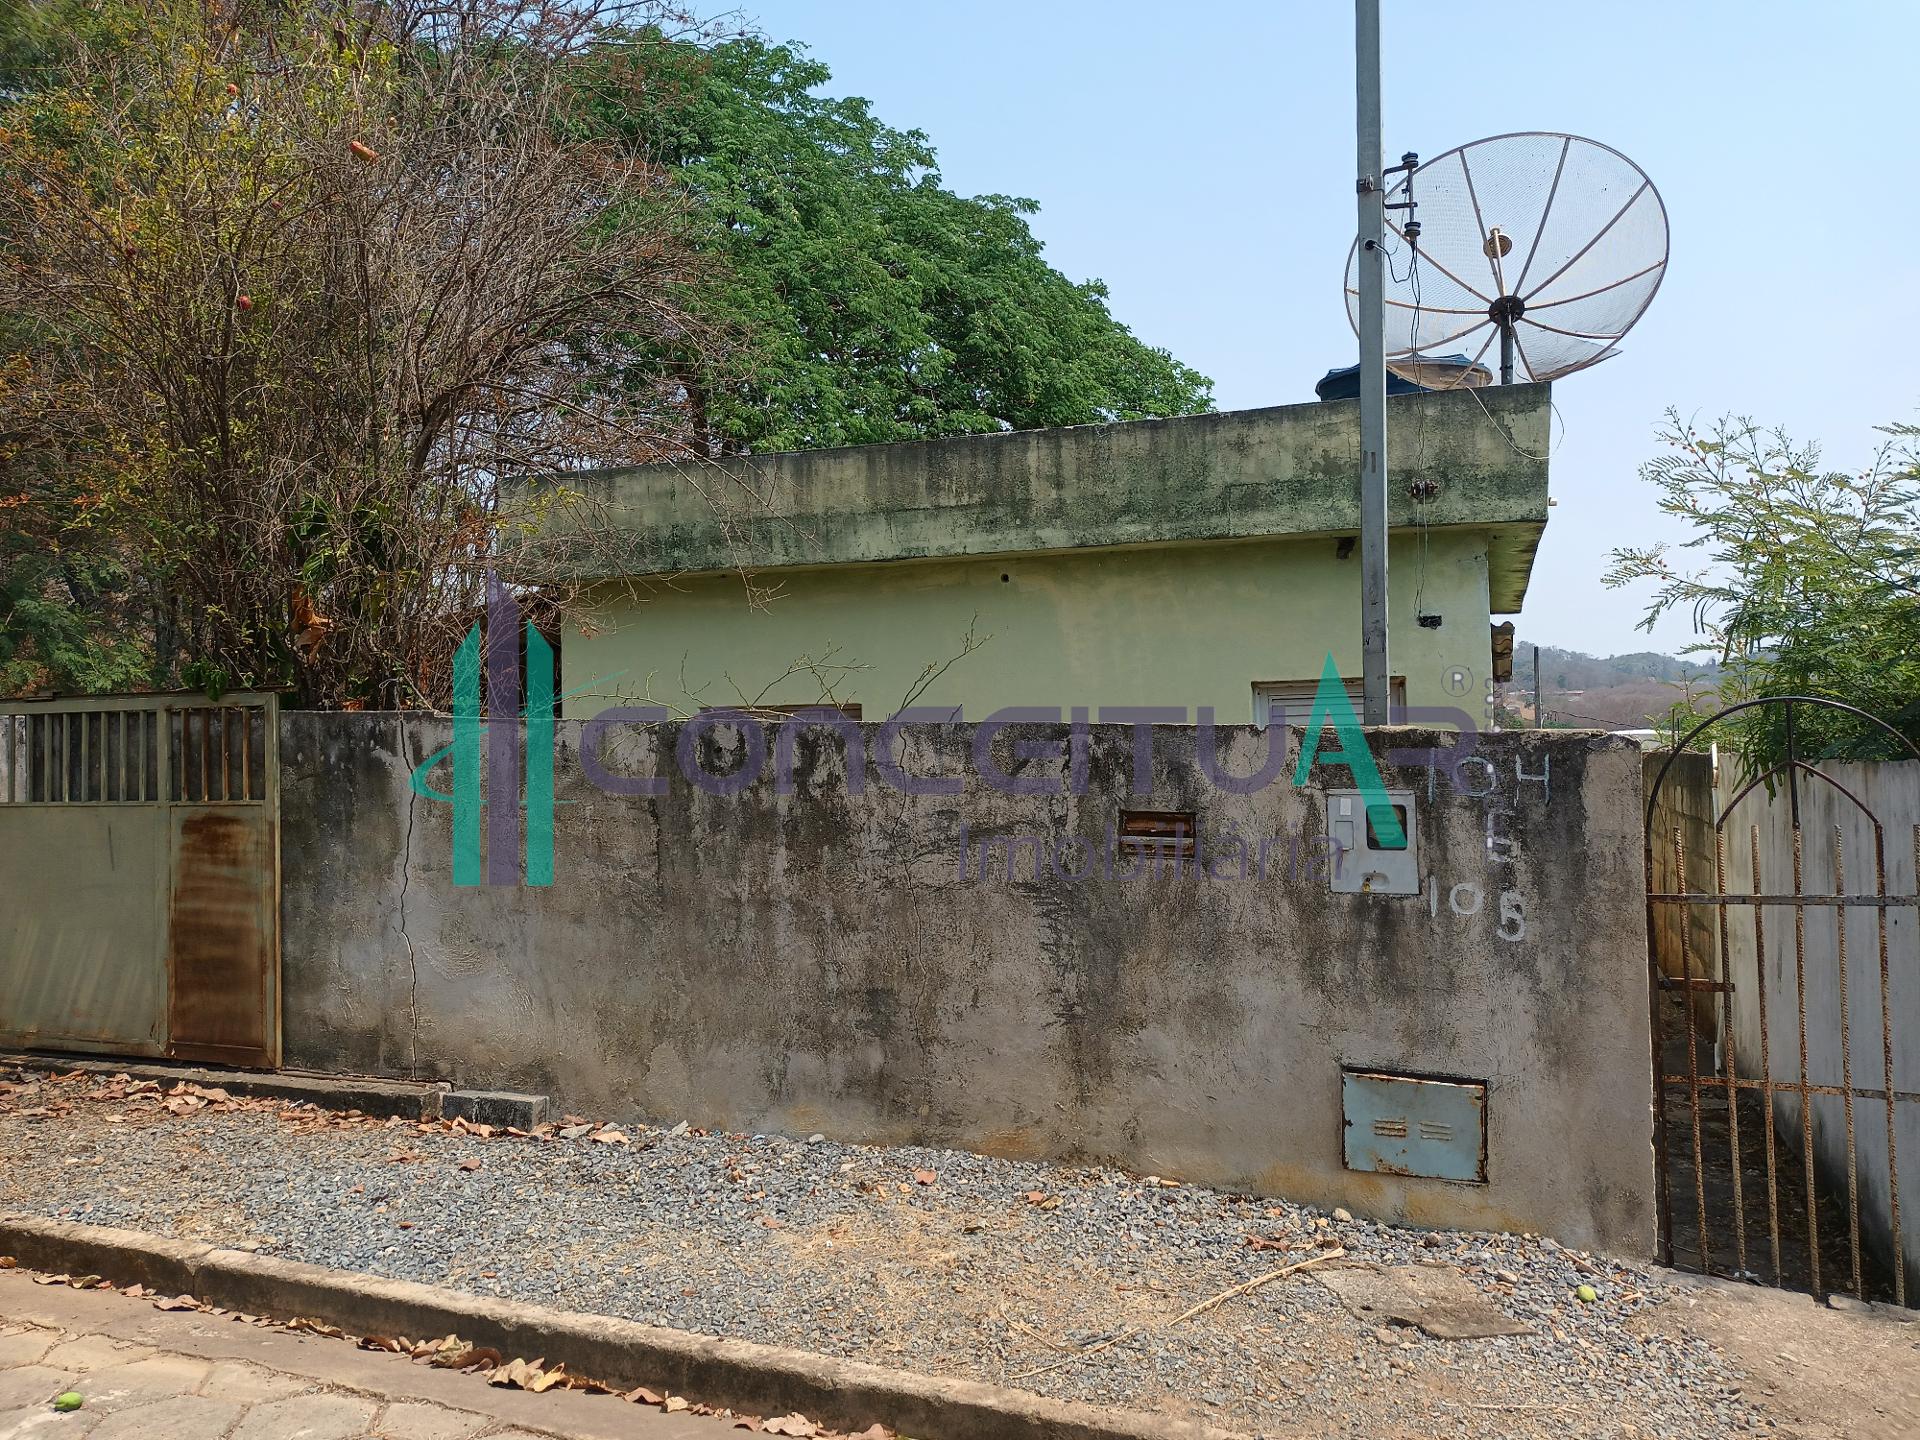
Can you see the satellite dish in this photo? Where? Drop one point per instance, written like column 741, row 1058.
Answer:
column 1547, row 245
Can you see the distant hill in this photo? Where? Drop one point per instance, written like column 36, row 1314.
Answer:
column 1614, row 692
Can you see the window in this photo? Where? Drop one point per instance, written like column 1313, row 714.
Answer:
column 1294, row 699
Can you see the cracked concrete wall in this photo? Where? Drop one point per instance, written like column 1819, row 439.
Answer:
column 816, row 960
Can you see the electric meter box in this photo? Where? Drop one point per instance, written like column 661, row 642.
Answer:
column 1370, row 858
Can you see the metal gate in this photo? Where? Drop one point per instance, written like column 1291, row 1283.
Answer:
column 1785, row 989
column 140, row 877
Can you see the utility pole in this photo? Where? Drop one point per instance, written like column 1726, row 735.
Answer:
column 1373, row 367
column 1539, row 717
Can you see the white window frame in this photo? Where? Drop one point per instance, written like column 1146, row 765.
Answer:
column 1297, row 697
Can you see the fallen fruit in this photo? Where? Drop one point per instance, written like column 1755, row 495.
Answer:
column 72, row 1400
column 245, row 302
column 1586, row 1294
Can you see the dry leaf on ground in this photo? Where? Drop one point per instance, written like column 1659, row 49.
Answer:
column 795, row 1424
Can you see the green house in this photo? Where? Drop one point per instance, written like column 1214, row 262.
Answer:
column 1205, row 561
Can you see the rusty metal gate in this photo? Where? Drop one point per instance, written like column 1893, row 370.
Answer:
column 140, row 876
column 1784, row 968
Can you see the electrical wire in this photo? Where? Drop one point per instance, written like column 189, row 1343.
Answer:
column 1420, row 443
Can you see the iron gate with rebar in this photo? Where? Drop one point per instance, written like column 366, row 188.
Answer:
column 1786, row 1062
column 139, row 861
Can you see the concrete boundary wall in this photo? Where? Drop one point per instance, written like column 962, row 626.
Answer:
column 816, row 960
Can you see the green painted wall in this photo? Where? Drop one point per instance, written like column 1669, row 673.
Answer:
column 1185, row 625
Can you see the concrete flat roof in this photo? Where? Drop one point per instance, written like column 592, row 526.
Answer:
column 1235, row 475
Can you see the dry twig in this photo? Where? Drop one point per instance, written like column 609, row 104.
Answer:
column 1244, row 1288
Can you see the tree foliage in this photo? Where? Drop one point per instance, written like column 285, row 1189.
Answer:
column 295, row 290
column 876, row 304
column 1812, row 585
column 295, row 284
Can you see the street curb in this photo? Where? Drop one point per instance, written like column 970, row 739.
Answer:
column 126, row 1257
column 734, row 1374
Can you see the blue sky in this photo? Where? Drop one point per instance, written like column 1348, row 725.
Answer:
column 1200, row 161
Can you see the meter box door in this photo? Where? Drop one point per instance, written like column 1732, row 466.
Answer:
column 1414, row 1126
column 1378, row 847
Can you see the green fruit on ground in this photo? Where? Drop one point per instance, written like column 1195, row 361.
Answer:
column 72, row 1400
column 1586, row 1294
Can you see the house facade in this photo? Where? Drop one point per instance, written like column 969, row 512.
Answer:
column 1205, row 561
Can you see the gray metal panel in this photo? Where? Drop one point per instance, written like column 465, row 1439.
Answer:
column 82, row 927
column 1407, row 1125
column 1363, row 867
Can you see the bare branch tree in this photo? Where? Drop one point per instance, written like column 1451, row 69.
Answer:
column 304, row 286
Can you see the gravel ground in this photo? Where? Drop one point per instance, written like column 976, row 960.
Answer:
column 935, row 1260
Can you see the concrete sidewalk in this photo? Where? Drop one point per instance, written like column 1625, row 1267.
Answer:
column 147, row 1374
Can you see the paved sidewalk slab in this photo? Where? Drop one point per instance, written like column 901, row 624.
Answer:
column 154, row 1375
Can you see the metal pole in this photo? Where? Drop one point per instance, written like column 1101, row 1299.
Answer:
column 1539, row 720
column 1373, row 368
column 1506, row 354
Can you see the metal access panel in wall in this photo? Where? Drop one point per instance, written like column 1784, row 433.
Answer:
column 139, row 865
column 1410, row 1125
column 1378, row 848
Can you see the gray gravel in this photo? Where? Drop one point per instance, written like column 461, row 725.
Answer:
column 841, row 1249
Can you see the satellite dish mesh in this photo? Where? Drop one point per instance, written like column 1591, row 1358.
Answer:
column 1562, row 239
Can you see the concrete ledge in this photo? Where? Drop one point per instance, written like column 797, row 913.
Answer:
column 383, row 1099
column 736, row 1374
column 494, row 1107
column 126, row 1257
column 1235, row 474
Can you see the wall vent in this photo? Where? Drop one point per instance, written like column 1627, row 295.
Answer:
column 1159, row 832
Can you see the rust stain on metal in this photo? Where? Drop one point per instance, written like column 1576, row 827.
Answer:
column 218, row 944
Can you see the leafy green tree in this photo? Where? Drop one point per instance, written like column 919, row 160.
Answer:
column 874, row 304
column 64, row 590
column 1812, row 585
column 64, row 586
column 33, row 33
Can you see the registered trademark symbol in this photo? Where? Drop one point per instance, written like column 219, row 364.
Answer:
column 1459, row 680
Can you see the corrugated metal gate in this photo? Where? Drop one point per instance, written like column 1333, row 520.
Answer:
column 1783, row 1057
column 139, row 865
